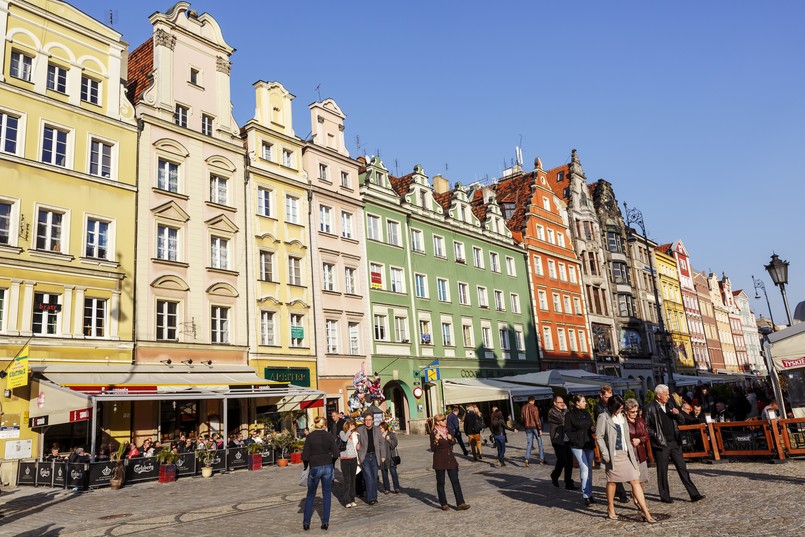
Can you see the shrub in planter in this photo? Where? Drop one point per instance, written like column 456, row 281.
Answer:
column 283, row 441
column 167, row 465
column 255, row 455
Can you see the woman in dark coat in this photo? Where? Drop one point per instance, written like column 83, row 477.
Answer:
column 319, row 454
column 579, row 430
column 498, row 428
column 441, row 442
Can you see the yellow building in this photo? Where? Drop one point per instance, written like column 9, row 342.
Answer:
column 674, row 309
column 68, row 143
column 282, row 345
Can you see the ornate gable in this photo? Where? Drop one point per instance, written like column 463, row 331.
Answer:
column 222, row 223
column 171, row 211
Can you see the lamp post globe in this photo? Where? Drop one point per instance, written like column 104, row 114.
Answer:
column 778, row 271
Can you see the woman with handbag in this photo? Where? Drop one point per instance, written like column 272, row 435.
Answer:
column 444, row 461
column 390, row 465
column 638, row 433
column 319, row 455
column 579, row 431
column 349, row 462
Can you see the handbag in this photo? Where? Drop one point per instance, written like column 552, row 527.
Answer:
column 396, row 458
column 304, row 476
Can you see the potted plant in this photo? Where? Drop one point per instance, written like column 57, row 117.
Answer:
column 206, row 457
column 283, row 442
column 118, row 474
column 298, row 446
column 167, row 465
column 255, row 455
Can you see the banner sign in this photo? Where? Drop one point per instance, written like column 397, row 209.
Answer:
column 268, row 455
column 791, row 364
column 76, row 475
column 142, row 469
column 101, row 473
column 18, row 373
column 26, row 473
column 59, row 474
column 219, row 461
column 80, row 415
column 186, row 464
column 299, row 376
column 44, row 474
column 39, row 421
column 298, row 332
column 236, row 458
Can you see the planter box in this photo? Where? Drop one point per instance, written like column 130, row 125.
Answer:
column 167, row 473
column 296, row 457
column 255, row 461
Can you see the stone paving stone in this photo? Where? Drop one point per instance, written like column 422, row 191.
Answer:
column 743, row 498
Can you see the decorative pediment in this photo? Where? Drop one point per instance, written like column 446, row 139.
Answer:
column 170, row 283
column 298, row 303
column 171, row 211
column 268, row 236
column 268, row 299
column 222, row 223
column 222, row 289
column 172, row 146
column 297, row 243
column 217, row 161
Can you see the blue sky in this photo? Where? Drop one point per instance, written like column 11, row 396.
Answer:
column 693, row 110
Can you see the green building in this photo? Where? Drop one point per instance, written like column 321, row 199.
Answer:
column 448, row 288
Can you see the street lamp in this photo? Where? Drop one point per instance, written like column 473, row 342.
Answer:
column 634, row 216
column 778, row 270
column 760, row 286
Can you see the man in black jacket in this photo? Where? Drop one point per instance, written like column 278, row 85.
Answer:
column 564, row 457
column 661, row 422
column 472, row 428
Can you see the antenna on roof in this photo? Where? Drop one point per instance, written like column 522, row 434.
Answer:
column 112, row 17
column 358, row 145
column 378, row 152
column 396, row 168
column 446, row 167
column 518, row 154
column 318, row 92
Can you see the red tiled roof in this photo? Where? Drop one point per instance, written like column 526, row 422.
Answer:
column 559, row 187
column 516, row 190
column 401, row 184
column 665, row 248
column 141, row 65
column 444, row 199
column 478, row 206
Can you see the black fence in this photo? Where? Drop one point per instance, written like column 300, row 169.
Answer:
column 84, row 476
column 691, row 441
column 744, row 439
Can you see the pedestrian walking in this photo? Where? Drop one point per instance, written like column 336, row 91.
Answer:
column 600, row 407
column 319, row 456
column 618, row 456
column 454, row 426
column 372, row 452
column 561, row 447
column 349, row 461
column 498, row 428
column 529, row 417
column 579, row 431
column 444, row 462
column 389, row 467
column 638, row 433
column 661, row 422
column 336, row 424
column 473, row 424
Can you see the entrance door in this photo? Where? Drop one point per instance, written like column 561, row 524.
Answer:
column 399, row 402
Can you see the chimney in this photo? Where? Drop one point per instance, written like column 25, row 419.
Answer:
column 440, row 184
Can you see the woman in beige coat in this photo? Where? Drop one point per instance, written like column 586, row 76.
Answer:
column 617, row 453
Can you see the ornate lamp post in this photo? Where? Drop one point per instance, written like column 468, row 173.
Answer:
column 634, row 216
column 778, row 270
column 760, row 286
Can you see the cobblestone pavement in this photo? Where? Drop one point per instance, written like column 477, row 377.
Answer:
column 743, row 498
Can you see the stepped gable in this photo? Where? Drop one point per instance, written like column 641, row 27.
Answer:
column 401, row 185
column 141, row 65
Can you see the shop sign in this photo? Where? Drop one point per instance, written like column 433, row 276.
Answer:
column 10, row 431
column 236, row 458
column 40, row 400
column 18, row 372
column 186, row 464
column 142, row 469
column 26, row 474
column 100, row 473
column 298, row 332
column 59, row 474
column 76, row 475
column 80, row 415
column 39, row 421
column 377, row 280
column 42, row 306
column 298, row 376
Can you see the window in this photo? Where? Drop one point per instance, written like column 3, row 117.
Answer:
column 482, row 297
column 614, row 242
column 332, row 336
column 297, row 328
column 557, row 303
column 373, row 227
column 458, row 249
column 287, row 158
column 292, row 209
column 571, row 336
column 49, row 230
column 478, row 257
column 424, row 331
column 543, row 300
column 625, row 305
column 57, row 78
column 21, row 66
column 328, row 277
column 195, row 76
column 519, row 339
column 393, row 229
column 100, row 159
column 560, row 336
column 266, row 266
column 541, row 233
column 350, row 286
column 546, row 203
column 572, row 272
column 500, row 305
column 552, row 268
column 219, row 253
column 325, row 219
column 380, row 327
column 466, row 332
column 46, row 318
column 560, row 239
column 515, row 300
column 376, row 272
column 168, row 175
column 167, row 318
column 54, row 147
column 219, row 324
column 593, row 263
column 503, row 334
column 417, row 244
column 324, row 172
column 218, row 190
column 438, row 246
column 267, row 332
column 294, row 271
column 9, row 127
column 582, row 341
column 562, row 272
column 354, row 338
column 547, row 341
column 264, row 202
column 180, row 115
column 538, row 265
column 346, row 225
column 566, row 300
column 421, row 285
column 268, row 151
column 494, row 262
column 206, row 125
column 511, row 270
column 97, row 245
column 345, row 180
column 401, row 329
column 551, row 236
column 486, row 337
column 620, row 272
column 397, row 280
column 463, row 294
column 167, row 243
column 447, row 334
column 5, row 225
column 94, row 317
column 442, row 291
column 2, row 309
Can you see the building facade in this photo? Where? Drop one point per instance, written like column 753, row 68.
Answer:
column 730, row 362
column 736, row 328
column 690, row 299
column 750, row 332
column 674, row 309
column 709, row 322
column 68, row 142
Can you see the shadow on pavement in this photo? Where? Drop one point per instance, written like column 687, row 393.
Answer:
column 720, row 471
column 16, row 508
column 45, row 531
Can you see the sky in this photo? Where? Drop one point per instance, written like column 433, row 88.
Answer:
column 693, row 110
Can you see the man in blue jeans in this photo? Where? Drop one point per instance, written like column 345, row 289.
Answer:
column 454, row 427
column 529, row 416
column 372, row 452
